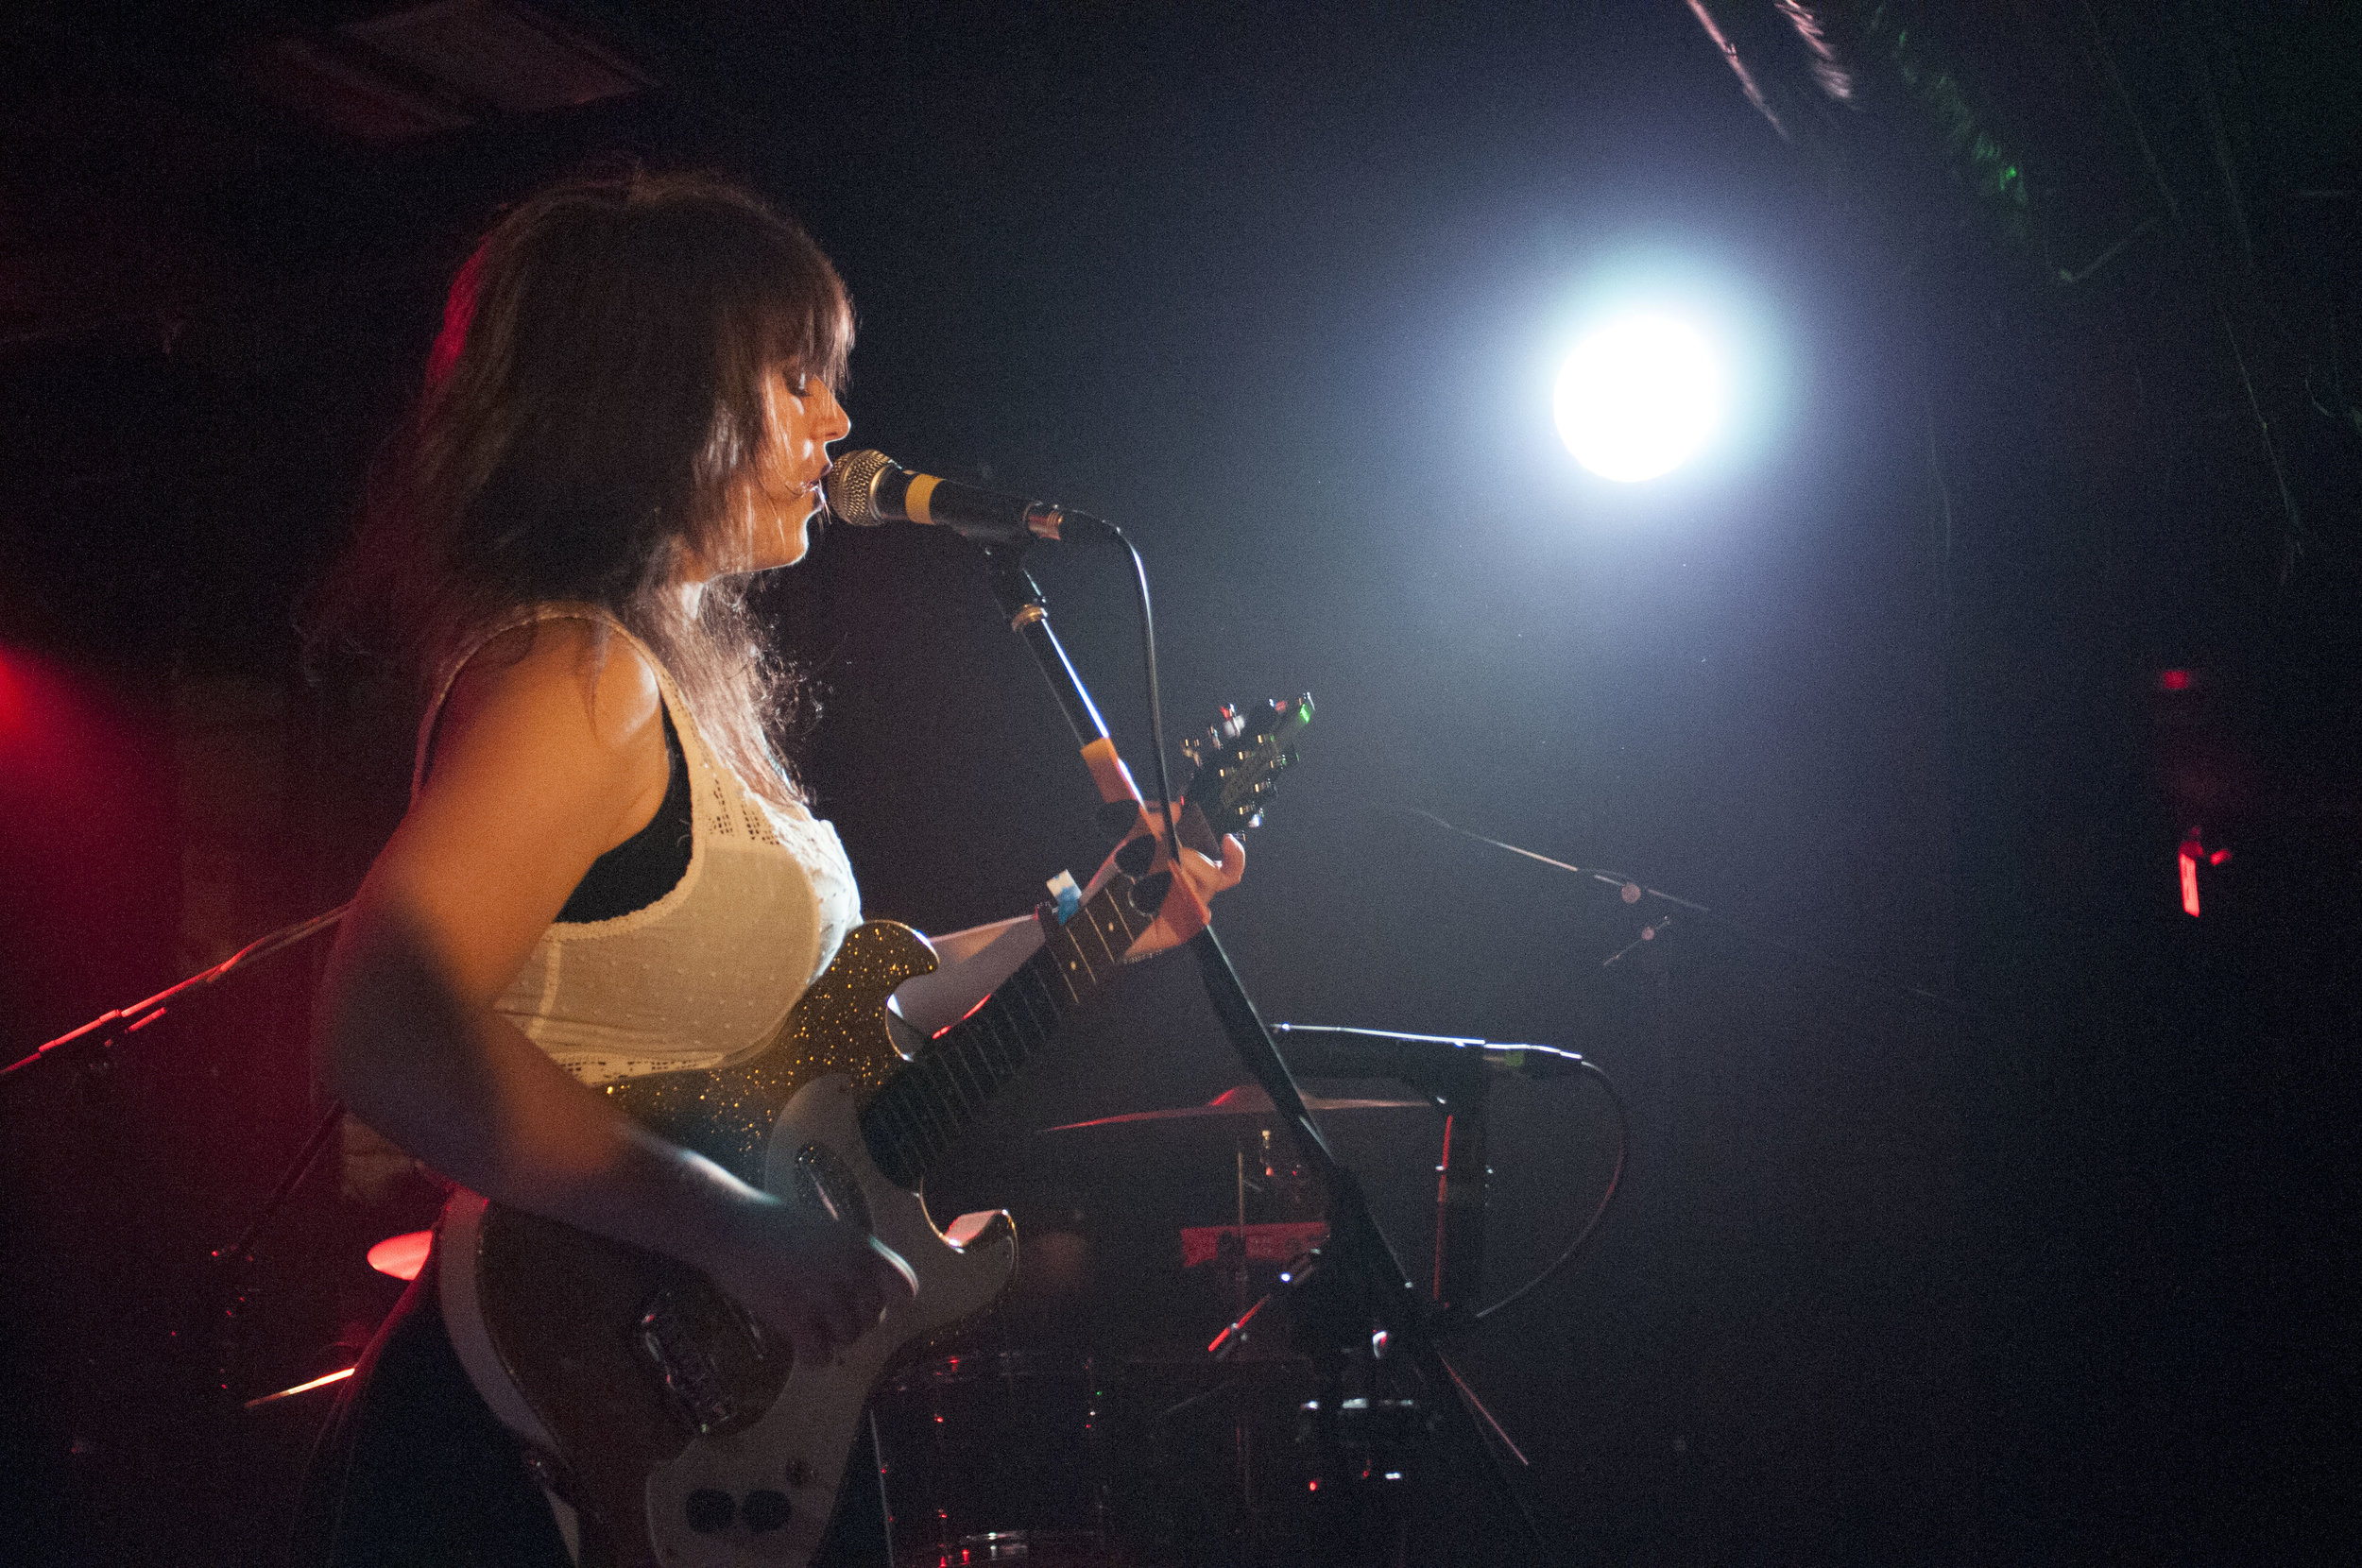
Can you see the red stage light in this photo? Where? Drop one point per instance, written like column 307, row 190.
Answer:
column 2173, row 680
column 12, row 698
column 2189, row 855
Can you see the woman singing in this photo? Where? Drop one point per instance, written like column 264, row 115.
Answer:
column 604, row 869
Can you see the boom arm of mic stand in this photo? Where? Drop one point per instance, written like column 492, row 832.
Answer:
column 1358, row 1246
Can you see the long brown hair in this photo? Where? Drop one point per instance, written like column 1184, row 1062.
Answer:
column 595, row 394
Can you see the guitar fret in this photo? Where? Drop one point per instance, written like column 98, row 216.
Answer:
column 906, row 1105
column 966, row 1096
column 1112, row 909
column 1057, row 993
column 1023, row 1009
column 884, row 1120
column 976, row 1042
column 1079, row 960
column 885, row 1151
column 921, row 1111
column 974, row 1087
column 950, row 1100
column 933, row 1139
column 977, row 1063
column 1000, row 1020
column 1035, row 992
column 912, row 1136
column 1064, row 970
column 916, row 1153
column 988, row 1042
column 944, row 1089
column 1112, row 956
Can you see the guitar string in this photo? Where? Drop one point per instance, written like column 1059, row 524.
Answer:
column 955, row 1073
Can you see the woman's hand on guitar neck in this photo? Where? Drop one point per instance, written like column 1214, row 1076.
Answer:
column 1200, row 876
column 975, row 962
column 815, row 1281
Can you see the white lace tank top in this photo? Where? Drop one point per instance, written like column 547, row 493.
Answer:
column 707, row 972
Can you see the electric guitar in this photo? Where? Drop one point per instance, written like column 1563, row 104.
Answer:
column 681, row 1432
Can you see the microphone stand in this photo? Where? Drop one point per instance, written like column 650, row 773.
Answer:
column 1457, row 1074
column 94, row 1043
column 1360, row 1280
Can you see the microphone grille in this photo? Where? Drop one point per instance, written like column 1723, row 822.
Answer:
column 852, row 487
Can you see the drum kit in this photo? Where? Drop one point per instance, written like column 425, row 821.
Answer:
column 1195, row 1439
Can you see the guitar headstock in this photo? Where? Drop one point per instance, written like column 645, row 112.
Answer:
column 1237, row 759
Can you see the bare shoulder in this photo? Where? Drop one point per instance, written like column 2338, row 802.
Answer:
column 560, row 704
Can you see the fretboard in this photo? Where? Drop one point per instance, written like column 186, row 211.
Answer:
column 922, row 1111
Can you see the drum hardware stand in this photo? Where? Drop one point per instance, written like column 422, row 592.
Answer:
column 1358, row 1279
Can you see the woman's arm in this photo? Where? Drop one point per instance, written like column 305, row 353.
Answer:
column 973, row 962
column 547, row 757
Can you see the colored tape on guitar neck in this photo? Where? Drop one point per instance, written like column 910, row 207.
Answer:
column 1069, row 896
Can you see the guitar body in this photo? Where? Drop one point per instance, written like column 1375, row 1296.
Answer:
column 683, row 1435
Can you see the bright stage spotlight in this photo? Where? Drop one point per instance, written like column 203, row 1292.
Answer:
column 1638, row 396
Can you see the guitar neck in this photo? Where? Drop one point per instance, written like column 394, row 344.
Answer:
column 923, row 1110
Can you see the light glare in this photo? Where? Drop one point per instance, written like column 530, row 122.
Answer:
column 1637, row 398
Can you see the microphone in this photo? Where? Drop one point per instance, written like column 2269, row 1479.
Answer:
column 1321, row 1050
column 868, row 487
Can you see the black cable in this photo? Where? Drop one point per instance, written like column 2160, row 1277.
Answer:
column 1590, row 1226
column 1167, row 829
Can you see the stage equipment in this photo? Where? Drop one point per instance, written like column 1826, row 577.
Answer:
column 1325, row 1050
column 1456, row 1074
column 1248, row 1099
column 1353, row 1296
column 1639, row 398
column 995, row 1457
column 402, row 1256
column 867, row 488
column 92, row 1046
column 1632, row 891
column 93, row 1039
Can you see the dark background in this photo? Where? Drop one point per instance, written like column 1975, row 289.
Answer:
column 2052, row 308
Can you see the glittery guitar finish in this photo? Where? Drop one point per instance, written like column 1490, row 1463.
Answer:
column 681, row 1432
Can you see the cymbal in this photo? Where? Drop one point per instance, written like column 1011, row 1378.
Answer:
column 1248, row 1099
column 404, row 1255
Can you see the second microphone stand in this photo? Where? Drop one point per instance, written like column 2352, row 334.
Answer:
column 1359, row 1281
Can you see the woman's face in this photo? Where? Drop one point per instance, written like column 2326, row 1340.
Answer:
column 773, row 503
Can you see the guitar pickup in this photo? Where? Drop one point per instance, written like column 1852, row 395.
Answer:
column 709, row 1357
